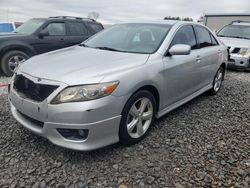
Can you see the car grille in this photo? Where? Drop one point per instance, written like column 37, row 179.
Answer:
column 31, row 90
column 235, row 50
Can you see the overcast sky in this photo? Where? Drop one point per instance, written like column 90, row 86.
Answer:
column 113, row 11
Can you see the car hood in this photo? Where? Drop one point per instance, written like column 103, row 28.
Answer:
column 11, row 35
column 235, row 42
column 80, row 65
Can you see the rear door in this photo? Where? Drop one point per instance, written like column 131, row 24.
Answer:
column 181, row 71
column 56, row 39
column 210, row 54
column 78, row 32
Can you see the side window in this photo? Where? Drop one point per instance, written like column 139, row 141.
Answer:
column 77, row 29
column 214, row 41
column 96, row 27
column 185, row 35
column 56, row 29
column 204, row 37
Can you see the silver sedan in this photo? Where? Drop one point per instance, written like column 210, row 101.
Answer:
column 111, row 87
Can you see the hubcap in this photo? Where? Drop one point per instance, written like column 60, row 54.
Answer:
column 15, row 61
column 218, row 80
column 140, row 117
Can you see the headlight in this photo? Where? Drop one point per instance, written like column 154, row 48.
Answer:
column 244, row 51
column 85, row 92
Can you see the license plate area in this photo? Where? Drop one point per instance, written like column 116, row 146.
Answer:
column 37, row 111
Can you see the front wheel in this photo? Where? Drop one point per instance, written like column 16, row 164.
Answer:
column 137, row 117
column 217, row 82
column 11, row 60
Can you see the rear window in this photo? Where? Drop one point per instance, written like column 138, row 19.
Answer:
column 6, row 27
column 96, row 27
column 77, row 29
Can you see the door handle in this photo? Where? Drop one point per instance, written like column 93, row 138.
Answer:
column 219, row 52
column 198, row 59
column 62, row 40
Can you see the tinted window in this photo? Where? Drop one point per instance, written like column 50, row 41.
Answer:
column 204, row 37
column 96, row 27
column 77, row 29
column 56, row 29
column 185, row 35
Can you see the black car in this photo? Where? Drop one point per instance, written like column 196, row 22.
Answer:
column 40, row 35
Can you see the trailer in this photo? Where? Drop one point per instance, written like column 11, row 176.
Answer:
column 216, row 21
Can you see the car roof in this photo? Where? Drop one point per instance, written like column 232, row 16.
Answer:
column 167, row 22
column 63, row 18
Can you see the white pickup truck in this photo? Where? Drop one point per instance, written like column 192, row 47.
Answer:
column 237, row 37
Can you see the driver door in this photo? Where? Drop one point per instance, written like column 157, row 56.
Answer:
column 182, row 72
column 55, row 38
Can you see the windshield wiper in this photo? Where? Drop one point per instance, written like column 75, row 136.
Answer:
column 108, row 48
column 222, row 36
column 83, row 45
column 240, row 37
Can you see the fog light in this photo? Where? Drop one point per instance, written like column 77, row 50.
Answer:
column 74, row 134
column 83, row 133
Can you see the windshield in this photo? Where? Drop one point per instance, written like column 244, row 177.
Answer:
column 6, row 27
column 133, row 38
column 235, row 31
column 30, row 26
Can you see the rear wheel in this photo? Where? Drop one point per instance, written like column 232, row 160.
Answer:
column 11, row 60
column 217, row 83
column 137, row 117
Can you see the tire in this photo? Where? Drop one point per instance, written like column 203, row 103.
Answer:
column 217, row 82
column 132, row 113
column 12, row 59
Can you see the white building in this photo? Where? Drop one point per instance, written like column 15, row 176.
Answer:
column 217, row 21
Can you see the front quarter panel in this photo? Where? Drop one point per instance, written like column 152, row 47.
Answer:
column 148, row 74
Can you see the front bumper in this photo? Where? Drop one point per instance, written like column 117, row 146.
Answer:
column 239, row 62
column 101, row 133
column 101, row 118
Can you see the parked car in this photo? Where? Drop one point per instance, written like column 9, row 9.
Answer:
column 40, row 35
column 112, row 86
column 7, row 27
column 237, row 37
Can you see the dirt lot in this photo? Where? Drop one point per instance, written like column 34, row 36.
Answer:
column 205, row 143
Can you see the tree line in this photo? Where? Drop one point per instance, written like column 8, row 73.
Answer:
column 178, row 18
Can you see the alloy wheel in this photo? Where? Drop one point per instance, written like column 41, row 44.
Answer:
column 218, row 80
column 15, row 61
column 140, row 117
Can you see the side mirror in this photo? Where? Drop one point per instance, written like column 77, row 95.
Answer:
column 43, row 33
column 180, row 49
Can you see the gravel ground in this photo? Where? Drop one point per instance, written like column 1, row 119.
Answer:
column 3, row 80
column 205, row 143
